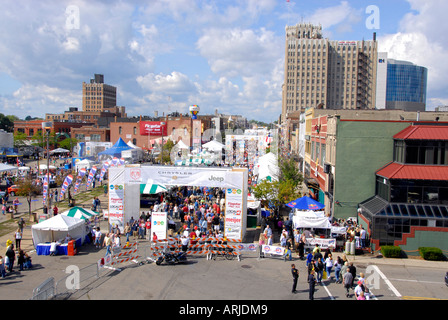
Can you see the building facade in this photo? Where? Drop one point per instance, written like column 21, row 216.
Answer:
column 98, row 96
column 410, row 205
column 401, row 84
column 325, row 73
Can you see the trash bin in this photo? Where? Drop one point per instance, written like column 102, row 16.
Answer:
column 71, row 248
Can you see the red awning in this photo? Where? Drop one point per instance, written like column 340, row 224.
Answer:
column 413, row 172
column 419, row 132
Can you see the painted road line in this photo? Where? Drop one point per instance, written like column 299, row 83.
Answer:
column 419, row 281
column 328, row 291
column 391, row 286
column 418, row 298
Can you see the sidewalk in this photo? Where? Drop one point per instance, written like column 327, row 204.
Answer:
column 27, row 239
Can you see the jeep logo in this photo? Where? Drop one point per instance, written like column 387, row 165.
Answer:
column 218, row 179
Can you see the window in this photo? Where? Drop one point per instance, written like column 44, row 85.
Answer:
column 120, row 131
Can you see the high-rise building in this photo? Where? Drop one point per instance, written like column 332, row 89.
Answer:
column 401, row 84
column 98, row 96
column 327, row 73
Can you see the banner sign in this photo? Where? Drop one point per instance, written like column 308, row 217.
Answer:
column 233, row 213
column 68, row 180
column 159, row 225
column 182, row 176
column 251, row 247
column 116, row 205
column 273, row 250
column 323, row 243
column 153, row 128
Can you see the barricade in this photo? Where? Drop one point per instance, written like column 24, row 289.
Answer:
column 118, row 257
column 219, row 246
column 201, row 246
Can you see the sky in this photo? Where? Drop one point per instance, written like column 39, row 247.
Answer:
column 165, row 55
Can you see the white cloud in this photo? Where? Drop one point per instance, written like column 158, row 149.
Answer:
column 237, row 52
column 423, row 40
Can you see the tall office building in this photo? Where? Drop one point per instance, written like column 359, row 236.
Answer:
column 326, row 73
column 401, row 84
column 98, row 96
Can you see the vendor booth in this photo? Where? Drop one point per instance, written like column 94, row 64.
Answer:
column 308, row 214
column 320, row 226
column 56, row 229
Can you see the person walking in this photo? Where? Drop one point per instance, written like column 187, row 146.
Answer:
column 348, row 280
column 319, row 270
column 337, row 269
column 18, row 236
column 288, row 249
column 21, row 223
column 312, row 284
column 108, row 243
column 295, row 278
column 329, row 265
column 11, row 257
column 98, row 235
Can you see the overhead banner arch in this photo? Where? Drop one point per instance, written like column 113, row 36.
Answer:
column 125, row 181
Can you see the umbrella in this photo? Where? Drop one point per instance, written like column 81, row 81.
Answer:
column 305, row 203
column 80, row 213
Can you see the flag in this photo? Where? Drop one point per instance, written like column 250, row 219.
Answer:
column 103, row 170
column 81, row 174
column 45, row 190
column 91, row 175
column 68, row 180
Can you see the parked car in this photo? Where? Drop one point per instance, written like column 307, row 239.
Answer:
column 446, row 278
column 12, row 190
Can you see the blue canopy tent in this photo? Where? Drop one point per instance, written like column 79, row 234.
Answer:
column 116, row 149
column 305, row 203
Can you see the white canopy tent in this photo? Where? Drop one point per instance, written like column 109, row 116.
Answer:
column 59, row 150
column 133, row 146
column 7, row 167
column 213, row 146
column 267, row 167
column 182, row 145
column 56, row 228
column 84, row 164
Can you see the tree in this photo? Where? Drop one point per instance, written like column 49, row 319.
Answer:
column 28, row 188
column 164, row 156
column 289, row 171
column 6, row 123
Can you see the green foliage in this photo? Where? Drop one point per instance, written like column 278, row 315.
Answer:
column 6, row 123
column 67, row 143
column 290, row 171
column 431, row 253
column 391, row 251
column 283, row 190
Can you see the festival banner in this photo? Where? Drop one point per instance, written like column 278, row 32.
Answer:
column 81, row 174
column 91, row 176
column 45, row 190
column 275, row 250
column 68, row 180
column 116, row 205
column 104, row 169
column 233, row 213
column 159, row 225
